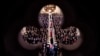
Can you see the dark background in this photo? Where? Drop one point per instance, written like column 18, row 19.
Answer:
column 19, row 13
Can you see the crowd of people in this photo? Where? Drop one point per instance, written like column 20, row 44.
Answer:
column 67, row 36
column 31, row 35
column 57, row 20
column 34, row 35
column 43, row 20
